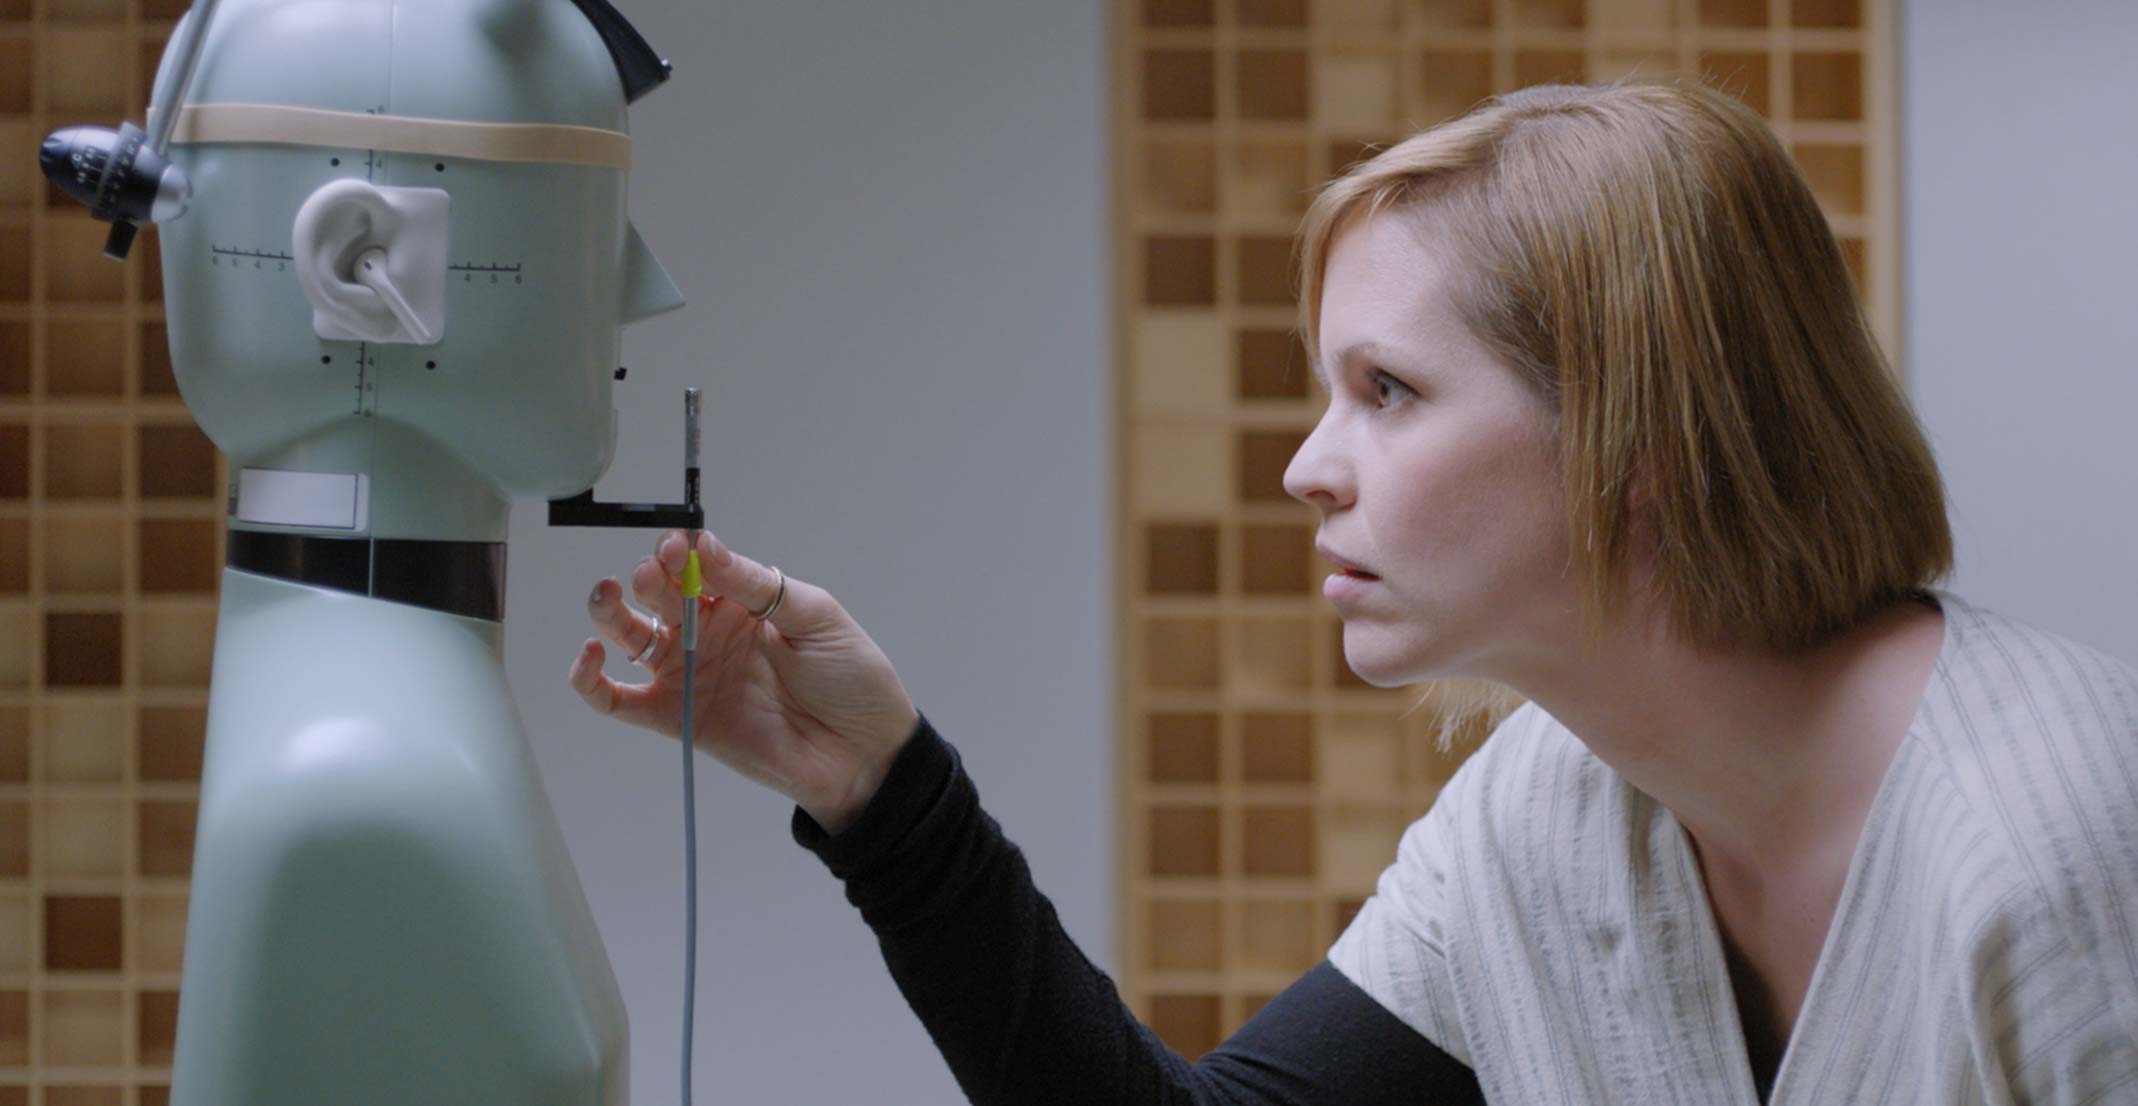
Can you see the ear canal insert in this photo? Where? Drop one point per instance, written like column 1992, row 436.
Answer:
column 371, row 273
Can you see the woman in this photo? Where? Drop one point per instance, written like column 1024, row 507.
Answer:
column 1606, row 427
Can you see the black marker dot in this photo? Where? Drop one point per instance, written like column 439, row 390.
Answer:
column 440, row 167
column 334, row 161
column 430, row 364
column 326, row 360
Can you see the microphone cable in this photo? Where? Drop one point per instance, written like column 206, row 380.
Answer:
column 693, row 587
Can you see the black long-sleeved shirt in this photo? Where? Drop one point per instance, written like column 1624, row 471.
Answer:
column 1021, row 1015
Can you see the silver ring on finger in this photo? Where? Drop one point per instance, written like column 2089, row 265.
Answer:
column 652, row 640
column 777, row 598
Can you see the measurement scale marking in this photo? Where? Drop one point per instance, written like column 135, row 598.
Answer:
column 259, row 255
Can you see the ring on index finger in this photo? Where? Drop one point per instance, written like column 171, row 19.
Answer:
column 652, row 640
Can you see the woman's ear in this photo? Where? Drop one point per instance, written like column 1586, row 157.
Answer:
column 358, row 293
column 1643, row 534
column 1640, row 494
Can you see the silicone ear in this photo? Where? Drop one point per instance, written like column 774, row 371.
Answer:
column 647, row 289
column 345, row 219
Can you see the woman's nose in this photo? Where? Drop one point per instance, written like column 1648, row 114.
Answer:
column 1316, row 476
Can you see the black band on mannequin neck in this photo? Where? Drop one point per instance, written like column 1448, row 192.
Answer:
column 458, row 577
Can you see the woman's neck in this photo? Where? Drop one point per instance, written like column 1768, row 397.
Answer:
column 1759, row 755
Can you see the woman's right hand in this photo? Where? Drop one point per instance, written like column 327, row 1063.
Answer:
column 804, row 702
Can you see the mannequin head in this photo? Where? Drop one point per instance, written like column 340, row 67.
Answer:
column 407, row 240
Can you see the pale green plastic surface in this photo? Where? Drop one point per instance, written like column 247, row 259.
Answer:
column 383, row 910
column 520, row 403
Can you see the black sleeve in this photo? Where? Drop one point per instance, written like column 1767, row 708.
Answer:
column 1022, row 1017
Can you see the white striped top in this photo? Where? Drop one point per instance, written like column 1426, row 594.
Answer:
column 1546, row 923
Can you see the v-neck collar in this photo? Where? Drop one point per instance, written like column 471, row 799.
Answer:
column 1713, row 966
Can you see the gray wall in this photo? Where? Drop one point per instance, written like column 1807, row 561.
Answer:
column 890, row 220
column 2020, row 188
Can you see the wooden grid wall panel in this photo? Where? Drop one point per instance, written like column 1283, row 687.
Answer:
column 111, row 542
column 1263, row 787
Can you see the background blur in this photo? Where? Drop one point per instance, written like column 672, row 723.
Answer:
column 936, row 254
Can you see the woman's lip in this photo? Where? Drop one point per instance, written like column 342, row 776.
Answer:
column 1341, row 563
column 1345, row 585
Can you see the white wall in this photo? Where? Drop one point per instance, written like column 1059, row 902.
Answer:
column 2020, row 193
column 890, row 221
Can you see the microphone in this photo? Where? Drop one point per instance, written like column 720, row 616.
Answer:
column 123, row 174
column 123, row 180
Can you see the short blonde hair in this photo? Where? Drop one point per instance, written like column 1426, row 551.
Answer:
column 1650, row 260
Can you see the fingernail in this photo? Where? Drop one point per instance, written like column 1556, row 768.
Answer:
column 596, row 597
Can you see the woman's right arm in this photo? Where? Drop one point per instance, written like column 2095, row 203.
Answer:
column 806, row 704
column 1023, row 1017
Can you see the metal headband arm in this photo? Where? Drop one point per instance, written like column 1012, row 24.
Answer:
column 637, row 65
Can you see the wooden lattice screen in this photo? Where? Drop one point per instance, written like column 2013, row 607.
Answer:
column 1263, row 787
column 111, row 531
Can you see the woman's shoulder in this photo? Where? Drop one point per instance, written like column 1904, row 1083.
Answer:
column 1999, row 666
column 1534, row 779
column 2014, row 706
column 2035, row 737
column 1527, row 750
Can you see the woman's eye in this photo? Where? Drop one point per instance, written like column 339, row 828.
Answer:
column 1391, row 389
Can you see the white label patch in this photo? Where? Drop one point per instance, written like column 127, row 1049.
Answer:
column 321, row 500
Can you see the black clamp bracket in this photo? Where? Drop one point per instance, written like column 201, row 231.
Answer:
column 583, row 510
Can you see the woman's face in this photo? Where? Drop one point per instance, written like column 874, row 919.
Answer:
column 1433, row 470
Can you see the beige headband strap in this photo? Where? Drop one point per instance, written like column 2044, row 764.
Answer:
column 543, row 142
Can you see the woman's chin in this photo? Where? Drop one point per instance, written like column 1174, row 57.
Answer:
column 1382, row 662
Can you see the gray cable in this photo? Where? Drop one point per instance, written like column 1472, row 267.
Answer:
column 690, row 831
column 692, row 407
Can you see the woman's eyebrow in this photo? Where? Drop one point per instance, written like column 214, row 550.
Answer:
column 1350, row 353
